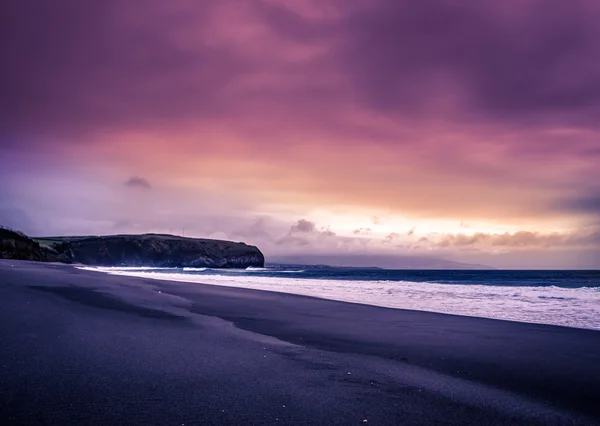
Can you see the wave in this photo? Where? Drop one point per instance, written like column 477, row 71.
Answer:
column 573, row 307
column 252, row 270
column 124, row 268
column 262, row 270
column 186, row 269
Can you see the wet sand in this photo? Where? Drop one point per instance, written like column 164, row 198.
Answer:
column 81, row 347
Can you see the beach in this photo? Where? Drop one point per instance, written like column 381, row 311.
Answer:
column 84, row 347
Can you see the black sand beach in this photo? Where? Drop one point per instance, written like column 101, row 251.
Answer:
column 81, row 347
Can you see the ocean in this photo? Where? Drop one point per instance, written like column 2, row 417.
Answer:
column 565, row 298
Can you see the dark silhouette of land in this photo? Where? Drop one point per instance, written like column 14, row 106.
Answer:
column 157, row 250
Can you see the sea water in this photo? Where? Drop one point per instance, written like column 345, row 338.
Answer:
column 567, row 298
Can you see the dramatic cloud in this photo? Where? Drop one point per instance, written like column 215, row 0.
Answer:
column 522, row 239
column 303, row 227
column 305, row 233
column 510, row 60
column 367, row 118
column 137, row 182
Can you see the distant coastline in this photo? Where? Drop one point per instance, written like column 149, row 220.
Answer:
column 165, row 250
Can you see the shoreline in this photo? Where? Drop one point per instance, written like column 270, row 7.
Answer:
column 404, row 364
column 399, row 301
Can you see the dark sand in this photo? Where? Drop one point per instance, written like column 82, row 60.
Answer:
column 82, row 347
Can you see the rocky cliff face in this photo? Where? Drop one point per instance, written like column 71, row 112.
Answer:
column 160, row 251
column 18, row 246
column 131, row 250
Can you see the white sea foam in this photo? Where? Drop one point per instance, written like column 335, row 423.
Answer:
column 573, row 307
column 123, row 268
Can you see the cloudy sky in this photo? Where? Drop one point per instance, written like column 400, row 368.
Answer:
column 466, row 130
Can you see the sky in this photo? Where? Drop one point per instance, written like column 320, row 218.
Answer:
column 462, row 130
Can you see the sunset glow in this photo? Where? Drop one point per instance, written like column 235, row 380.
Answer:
column 469, row 132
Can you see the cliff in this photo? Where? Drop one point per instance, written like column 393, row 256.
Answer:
column 157, row 250
column 18, row 246
column 134, row 250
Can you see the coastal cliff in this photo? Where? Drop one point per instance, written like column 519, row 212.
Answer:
column 18, row 246
column 160, row 251
column 156, row 250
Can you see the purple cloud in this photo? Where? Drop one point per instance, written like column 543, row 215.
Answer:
column 137, row 182
column 303, row 226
